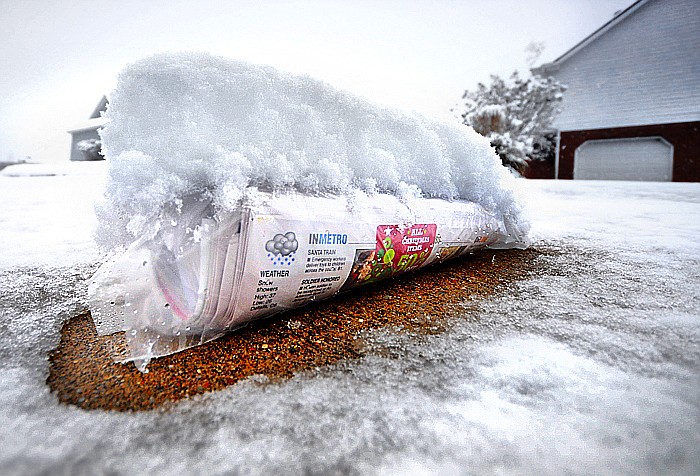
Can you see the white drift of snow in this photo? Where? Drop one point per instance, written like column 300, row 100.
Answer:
column 190, row 123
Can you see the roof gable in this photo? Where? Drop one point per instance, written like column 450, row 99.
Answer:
column 100, row 108
column 639, row 70
column 617, row 19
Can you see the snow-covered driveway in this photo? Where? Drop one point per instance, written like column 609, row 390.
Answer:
column 592, row 365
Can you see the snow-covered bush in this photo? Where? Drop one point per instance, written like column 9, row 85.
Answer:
column 544, row 147
column 91, row 149
column 515, row 115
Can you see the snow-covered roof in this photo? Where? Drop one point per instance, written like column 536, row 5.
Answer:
column 618, row 18
column 90, row 124
column 95, row 121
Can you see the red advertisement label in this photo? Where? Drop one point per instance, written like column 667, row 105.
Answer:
column 404, row 247
column 399, row 248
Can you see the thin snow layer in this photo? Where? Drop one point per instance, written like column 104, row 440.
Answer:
column 591, row 365
column 47, row 213
column 193, row 123
column 632, row 216
column 53, row 170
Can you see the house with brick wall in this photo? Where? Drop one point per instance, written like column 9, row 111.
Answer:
column 632, row 107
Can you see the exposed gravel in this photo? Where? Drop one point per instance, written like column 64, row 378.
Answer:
column 83, row 374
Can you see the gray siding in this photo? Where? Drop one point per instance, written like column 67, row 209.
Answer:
column 644, row 70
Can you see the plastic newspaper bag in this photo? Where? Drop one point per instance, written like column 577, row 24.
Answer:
column 207, row 272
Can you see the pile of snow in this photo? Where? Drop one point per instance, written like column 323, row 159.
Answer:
column 183, row 124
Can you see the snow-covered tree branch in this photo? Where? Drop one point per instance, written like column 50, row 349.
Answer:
column 515, row 115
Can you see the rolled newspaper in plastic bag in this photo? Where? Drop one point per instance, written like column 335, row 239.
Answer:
column 211, row 271
column 189, row 136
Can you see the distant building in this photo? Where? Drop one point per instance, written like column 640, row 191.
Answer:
column 85, row 134
column 632, row 108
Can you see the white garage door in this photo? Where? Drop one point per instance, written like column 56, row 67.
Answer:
column 643, row 158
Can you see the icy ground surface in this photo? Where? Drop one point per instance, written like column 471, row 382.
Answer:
column 592, row 365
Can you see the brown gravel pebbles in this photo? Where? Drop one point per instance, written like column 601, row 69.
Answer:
column 82, row 373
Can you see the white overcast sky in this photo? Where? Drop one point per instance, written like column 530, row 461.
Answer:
column 58, row 57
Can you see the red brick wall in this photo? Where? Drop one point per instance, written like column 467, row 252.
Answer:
column 685, row 137
column 539, row 169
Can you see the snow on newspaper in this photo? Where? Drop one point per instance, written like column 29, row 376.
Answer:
column 228, row 211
